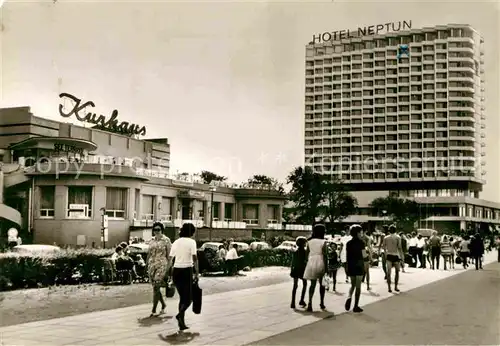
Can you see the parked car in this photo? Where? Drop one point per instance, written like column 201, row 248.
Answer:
column 241, row 246
column 36, row 249
column 287, row 245
column 211, row 245
column 135, row 248
column 259, row 245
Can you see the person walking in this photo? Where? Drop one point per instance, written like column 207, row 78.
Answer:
column 447, row 252
column 412, row 249
column 355, row 255
column 435, row 250
column 368, row 259
column 333, row 264
column 404, row 245
column 184, row 261
column 394, row 255
column 157, row 263
column 316, row 264
column 299, row 262
column 343, row 240
column 420, row 251
column 465, row 251
column 477, row 251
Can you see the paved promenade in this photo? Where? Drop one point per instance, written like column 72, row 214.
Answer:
column 231, row 318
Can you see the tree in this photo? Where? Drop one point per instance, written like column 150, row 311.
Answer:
column 307, row 193
column 208, row 177
column 339, row 203
column 262, row 179
column 403, row 212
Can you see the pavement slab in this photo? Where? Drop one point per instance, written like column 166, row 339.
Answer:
column 230, row 318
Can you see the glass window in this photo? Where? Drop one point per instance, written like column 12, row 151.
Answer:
column 148, row 207
column 251, row 214
column 116, row 202
column 79, row 202
column 166, row 209
column 47, row 199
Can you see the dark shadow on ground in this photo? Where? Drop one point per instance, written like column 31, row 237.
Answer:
column 179, row 338
column 152, row 320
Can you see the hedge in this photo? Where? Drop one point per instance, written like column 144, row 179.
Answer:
column 86, row 266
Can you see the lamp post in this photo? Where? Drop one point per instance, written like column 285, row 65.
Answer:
column 104, row 227
column 212, row 190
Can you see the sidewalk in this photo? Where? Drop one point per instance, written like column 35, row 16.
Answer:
column 231, row 318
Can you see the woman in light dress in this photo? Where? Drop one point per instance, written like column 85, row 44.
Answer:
column 159, row 250
column 316, row 264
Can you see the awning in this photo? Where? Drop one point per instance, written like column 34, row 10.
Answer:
column 10, row 214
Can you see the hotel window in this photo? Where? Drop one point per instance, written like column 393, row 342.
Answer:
column 148, row 207
column 79, row 202
column 116, row 202
column 47, row 199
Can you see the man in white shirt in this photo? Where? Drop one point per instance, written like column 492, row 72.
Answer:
column 232, row 259
column 412, row 248
column 420, row 250
column 343, row 257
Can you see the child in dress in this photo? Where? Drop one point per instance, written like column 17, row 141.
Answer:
column 299, row 261
column 333, row 264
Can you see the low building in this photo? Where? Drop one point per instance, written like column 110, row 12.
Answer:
column 60, row 179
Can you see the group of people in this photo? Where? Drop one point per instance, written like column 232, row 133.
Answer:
column 315, row 260
column 228, row 257
column 318, row 260
column 125, row 262
column 459, row 250
column 175, row 263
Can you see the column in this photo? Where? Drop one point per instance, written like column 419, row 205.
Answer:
column 234, row 208
column 130, row 204
column 222, row 211
column 239, row 211
column 156, row 207
column 61, row 202
column 175, row 206
column 263, row 215
column 280, row 214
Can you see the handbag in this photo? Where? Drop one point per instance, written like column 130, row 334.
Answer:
column 458, row 260
column 197, row 297
column 170, row 289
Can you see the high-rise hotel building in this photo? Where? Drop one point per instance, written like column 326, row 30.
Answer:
column 401, row 111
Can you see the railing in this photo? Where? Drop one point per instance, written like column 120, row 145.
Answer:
column 252, row 222
column 165, row 218
column 298, row 227
column 132, row 163
column 229, row 224
column 275, row 226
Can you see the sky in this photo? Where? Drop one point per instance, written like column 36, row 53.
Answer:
column 223, row 81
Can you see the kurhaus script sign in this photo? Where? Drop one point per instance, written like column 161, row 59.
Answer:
column 112, row 124
column 362, row 31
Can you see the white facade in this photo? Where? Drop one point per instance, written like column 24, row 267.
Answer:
column 373, row 118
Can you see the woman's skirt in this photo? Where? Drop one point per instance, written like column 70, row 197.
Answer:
column 315, row 268
column 298, row 272
column 157, row 272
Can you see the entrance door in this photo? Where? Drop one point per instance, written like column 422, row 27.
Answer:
column 186, row 209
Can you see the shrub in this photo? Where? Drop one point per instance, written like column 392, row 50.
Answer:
column 86, row 266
